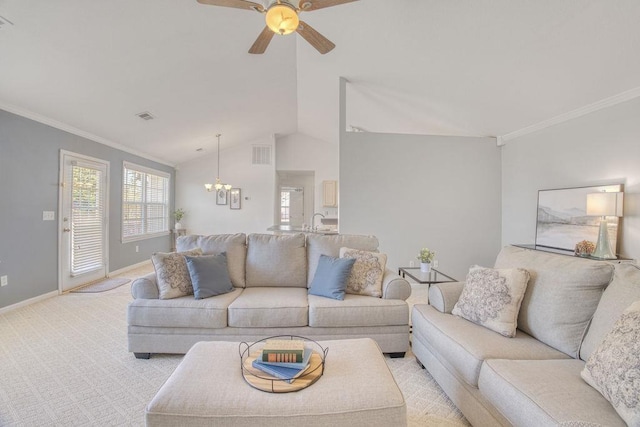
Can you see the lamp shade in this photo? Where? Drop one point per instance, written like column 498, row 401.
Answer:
column 282, row 18
column 604, row 204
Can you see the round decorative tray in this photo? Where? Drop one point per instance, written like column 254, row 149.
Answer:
column 271, row 384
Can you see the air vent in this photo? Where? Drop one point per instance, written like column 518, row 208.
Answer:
column 261, row 155
column 145, row 116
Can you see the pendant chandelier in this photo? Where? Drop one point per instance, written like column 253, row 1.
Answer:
column 219, row 185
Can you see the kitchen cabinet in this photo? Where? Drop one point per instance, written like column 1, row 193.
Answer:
column 330, row 194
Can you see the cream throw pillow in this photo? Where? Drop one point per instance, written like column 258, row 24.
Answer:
column 172, row 273
column 492, row 298
column 614, row 367
column 367, row 272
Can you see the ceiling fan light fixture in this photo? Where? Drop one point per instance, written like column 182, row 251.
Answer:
column 282, row 18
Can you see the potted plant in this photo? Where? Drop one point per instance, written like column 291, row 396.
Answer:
column 178, row 214
column 426, row 256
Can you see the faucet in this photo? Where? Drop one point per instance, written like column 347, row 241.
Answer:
column 313, row 221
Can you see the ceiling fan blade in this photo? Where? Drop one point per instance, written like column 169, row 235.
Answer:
column 308, row 5
column 238, row 4
column 262, row 42
column 315, row 39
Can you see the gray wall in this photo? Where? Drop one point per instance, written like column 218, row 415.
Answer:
column 602, row 147
column 413, row 191
column 29, row 174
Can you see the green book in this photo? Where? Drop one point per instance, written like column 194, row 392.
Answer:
column 293, row 365
column 283, row 351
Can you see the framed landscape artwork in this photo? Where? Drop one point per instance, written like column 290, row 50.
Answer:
column 562, row 218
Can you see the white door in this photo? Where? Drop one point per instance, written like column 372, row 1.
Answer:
column 291, row 206
column 297, row 207
column 82, row 217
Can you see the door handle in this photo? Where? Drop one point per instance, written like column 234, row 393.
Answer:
column 66, row 230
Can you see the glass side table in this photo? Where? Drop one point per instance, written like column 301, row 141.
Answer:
column 434, row 276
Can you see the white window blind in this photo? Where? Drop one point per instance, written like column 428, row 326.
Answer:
column 87, row 219
column 145, row 202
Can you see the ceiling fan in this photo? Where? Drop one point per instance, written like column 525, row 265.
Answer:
column 282, row 18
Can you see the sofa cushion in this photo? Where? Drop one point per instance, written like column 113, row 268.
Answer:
column 614, row 367
column 465, row 345
column 561, row 296
column 544, row 393
column 491, row 298
column 624, row 288
column 319, row 244
column 183, row 312
column 331, row 277
column 235, row 245
column 357, row 310
column 209, row 275
column 172, row 273
column 367, row 272
column 266, row 307
column 276, row 260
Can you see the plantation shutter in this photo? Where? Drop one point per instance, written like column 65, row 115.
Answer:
column 87, row 218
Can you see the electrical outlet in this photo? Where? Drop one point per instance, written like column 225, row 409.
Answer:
column 48, row 215
column 137, row 248
column 435, row 263
column 4, row 281
column 411, row 263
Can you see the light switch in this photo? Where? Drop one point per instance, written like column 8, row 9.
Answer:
column 48, row 215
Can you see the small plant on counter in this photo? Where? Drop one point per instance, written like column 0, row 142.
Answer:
column 426, row 255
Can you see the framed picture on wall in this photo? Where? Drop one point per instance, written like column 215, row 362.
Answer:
column 234, row 198
column 562, row 218
column 221, row 197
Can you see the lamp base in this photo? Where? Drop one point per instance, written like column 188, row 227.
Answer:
column 603, row 248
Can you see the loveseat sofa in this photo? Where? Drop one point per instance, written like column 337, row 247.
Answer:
column 271, row 276
column 534, row 378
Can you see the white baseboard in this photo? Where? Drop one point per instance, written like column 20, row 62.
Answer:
column 29, row 301
column 128, row 268
column 56, row 293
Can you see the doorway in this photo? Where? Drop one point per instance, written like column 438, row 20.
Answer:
column 292, row 206
column 82, row 214
column 295, row 197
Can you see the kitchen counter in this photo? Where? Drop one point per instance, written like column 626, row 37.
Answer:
column 292, row 229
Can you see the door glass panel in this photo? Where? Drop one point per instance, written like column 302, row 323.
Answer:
column 87, row 220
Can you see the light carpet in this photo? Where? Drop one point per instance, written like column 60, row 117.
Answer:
column 65, row 363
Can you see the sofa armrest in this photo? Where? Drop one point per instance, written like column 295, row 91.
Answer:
column 145, row 287
column 394, row 286
column 443, row 296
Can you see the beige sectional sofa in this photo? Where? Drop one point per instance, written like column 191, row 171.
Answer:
column 271, row 276
column 533, row 379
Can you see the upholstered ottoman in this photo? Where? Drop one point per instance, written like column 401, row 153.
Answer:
column 207, row 388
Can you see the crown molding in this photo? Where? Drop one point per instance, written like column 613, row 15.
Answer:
column 582, row 111
column 67, row 128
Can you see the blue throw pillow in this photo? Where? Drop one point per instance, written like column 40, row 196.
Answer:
column 209, row 275
column 331, row 277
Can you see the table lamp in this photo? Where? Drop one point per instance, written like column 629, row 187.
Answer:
column 604, row 204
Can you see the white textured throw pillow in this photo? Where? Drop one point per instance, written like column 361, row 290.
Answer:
column 367, row 272
column 614, row 367
column 492, row 298
column 172, row 273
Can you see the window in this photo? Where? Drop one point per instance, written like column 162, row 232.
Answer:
column 145, row 202
column 285, row 203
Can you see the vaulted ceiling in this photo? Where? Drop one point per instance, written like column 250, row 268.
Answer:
column 452, row 67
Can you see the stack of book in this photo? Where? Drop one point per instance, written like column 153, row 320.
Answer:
column 283, row 359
